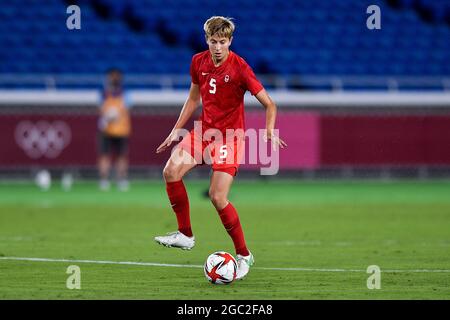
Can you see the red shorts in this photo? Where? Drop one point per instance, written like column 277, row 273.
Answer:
column 221, row 154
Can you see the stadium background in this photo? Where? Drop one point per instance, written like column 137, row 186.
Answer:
column 368, row 102
column 353, row 103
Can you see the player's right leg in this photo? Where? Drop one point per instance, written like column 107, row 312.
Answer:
column 177, row 166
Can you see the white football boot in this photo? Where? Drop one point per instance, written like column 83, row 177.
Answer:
column 244, row 263
column 177, row 240
column 104, row 185
column 123, row 185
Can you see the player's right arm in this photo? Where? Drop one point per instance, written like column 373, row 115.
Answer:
column 191, row 104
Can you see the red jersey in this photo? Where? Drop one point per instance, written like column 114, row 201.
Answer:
column 222, row 89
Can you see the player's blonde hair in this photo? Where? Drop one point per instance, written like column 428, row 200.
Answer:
column 219, row 25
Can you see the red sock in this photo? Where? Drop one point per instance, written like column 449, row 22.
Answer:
column 180, row 204
column 230, row 221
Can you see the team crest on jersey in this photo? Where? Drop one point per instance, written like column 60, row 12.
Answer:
column 227, row 78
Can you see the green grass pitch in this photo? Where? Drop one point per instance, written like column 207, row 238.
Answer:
column 311, row 240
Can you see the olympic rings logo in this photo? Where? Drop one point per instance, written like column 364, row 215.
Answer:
column 43, row 139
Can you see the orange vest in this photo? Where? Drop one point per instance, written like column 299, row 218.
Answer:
column 121, row 126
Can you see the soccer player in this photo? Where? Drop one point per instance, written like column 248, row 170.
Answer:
column 114, row 129
column 220, row 79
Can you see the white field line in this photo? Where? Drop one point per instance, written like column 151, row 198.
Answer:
column 153, row 264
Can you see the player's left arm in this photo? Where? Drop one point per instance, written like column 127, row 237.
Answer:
column 271, row 115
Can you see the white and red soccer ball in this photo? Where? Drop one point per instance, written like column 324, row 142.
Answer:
column 220, row 268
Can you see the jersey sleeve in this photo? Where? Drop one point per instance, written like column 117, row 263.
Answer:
column 193, row 71
column 251, row 83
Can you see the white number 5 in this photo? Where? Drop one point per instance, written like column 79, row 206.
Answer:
column 212, row 83
column 223, row 152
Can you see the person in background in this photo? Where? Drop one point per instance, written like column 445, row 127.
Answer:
column 114, row 131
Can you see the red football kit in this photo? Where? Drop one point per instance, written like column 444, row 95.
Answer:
column 222, row 91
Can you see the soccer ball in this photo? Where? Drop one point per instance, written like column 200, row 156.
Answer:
column 220, row 268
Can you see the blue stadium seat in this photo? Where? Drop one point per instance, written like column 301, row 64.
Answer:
column 289, row 37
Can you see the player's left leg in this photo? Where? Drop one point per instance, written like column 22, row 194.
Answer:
column 221, row 182
column 122, row 164
column 122, row 172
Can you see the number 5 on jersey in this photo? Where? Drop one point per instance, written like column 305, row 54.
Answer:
column 223, row 152
column 212, row 83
